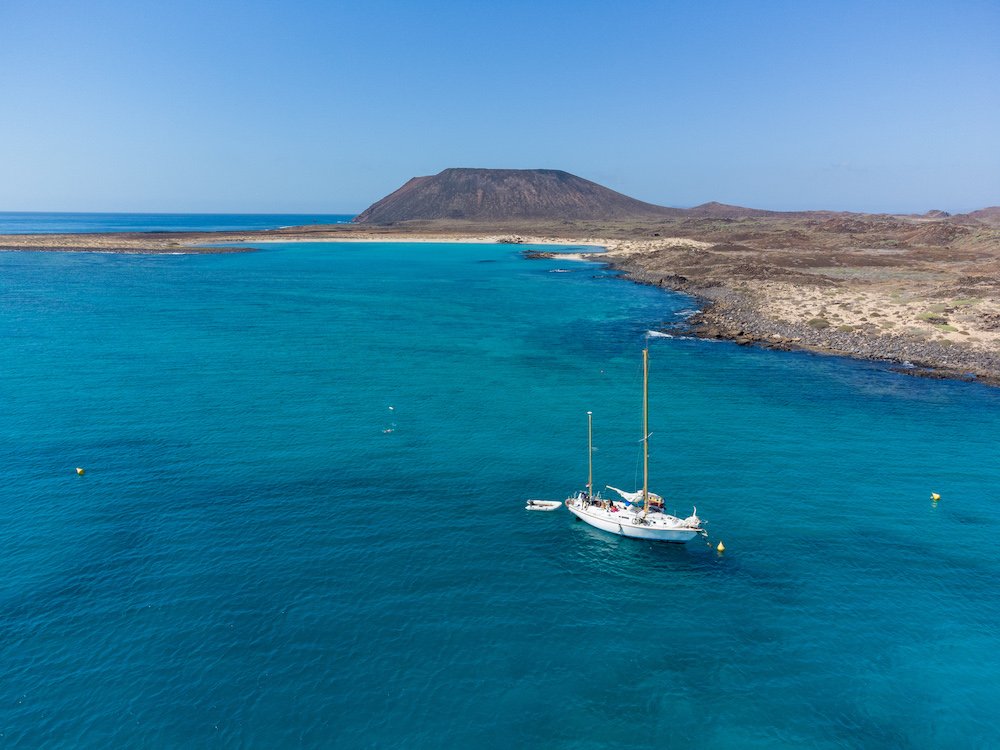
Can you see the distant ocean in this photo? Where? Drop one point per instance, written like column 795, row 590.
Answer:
column 28, row 222
column 302, row 518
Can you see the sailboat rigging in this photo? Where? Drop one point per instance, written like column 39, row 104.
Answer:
column 642, row 514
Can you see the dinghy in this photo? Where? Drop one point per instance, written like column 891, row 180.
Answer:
column 542, row 504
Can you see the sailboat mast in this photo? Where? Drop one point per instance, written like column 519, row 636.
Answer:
column 590, row 454
column 645, row 431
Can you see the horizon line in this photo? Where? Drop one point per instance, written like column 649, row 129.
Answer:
column 162, row 212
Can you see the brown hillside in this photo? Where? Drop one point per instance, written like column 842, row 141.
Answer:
column 989, row 215
column 716, row 210
column 497, row 195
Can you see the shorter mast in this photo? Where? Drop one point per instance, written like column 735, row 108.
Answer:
column 590, row 455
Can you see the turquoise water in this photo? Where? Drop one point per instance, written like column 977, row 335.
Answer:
column 251, row 558
column 35, row 222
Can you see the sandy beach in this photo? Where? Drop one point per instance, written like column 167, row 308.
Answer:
column 860, row 289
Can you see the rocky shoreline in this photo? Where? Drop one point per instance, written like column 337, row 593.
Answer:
column 730, row 315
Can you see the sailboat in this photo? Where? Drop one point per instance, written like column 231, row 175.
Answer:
column 638, row 514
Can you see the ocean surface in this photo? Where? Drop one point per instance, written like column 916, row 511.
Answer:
column 301, row 522
column 30, row 222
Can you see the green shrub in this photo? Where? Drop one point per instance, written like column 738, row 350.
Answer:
column 933, row 318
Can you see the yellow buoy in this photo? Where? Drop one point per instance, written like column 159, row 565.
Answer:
column 721, row 547
column 79, row 471
column 935, row 496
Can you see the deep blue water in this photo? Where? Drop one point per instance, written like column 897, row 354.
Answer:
column 31, row 222
column 251, row 560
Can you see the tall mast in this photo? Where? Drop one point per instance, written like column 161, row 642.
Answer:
column 590, row 454
column 645, row 431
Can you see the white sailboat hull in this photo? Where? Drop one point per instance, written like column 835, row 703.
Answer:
column 655, row 529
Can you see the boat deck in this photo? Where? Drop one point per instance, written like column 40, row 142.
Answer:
column 627, row 521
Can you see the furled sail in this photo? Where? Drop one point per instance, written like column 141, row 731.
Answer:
column 636, row 497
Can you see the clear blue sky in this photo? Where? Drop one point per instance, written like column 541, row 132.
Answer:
column 214, row 105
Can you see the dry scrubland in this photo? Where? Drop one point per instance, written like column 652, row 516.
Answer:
column 923, row 290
